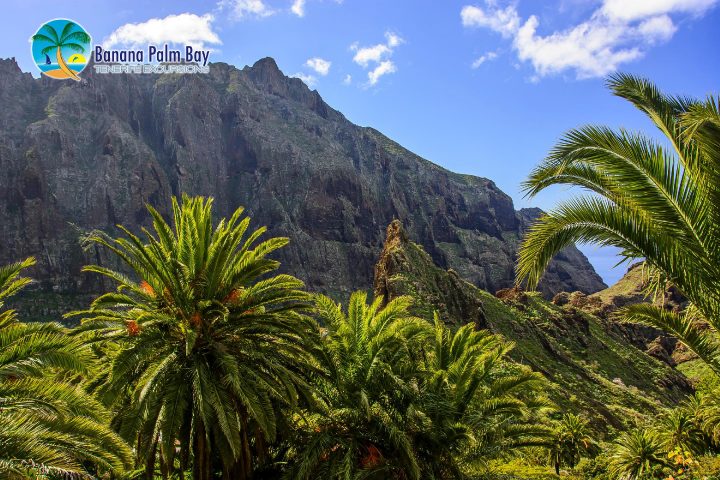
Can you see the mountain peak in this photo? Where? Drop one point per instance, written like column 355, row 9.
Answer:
column 255, row 138
column 9, row 65
column 265, row 68
column 265, row 72
column 266, row 63
column 267, row 76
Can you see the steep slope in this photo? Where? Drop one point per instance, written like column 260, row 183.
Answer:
column 633, row 288
column 89, row 155
column 590, row 366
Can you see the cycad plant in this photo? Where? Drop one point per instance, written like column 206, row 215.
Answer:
column 211, row 341
column 704, row 412
column 654, row 200
column 681, row 434
column 478, row 405
column 48, row 424
column 364, row 428
column 404, row 400
column 637, row 455
column 570, row 441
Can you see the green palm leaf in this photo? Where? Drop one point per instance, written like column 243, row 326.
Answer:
column 49, row 425
column 655, row 203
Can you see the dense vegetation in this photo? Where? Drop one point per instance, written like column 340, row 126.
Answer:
column 204, row 362
column 656, row 202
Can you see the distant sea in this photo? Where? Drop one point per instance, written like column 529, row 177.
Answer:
column 76, row 67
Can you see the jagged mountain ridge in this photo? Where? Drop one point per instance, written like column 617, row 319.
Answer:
column 89, row 155
column 591, row 368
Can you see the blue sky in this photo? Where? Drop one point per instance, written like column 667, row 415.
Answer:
column 484, row 87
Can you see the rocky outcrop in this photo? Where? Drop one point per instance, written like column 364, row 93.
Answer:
column 590, row 366
column 631, row 289
column 77, row 156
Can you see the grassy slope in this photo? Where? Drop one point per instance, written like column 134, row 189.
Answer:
column 591, row 369
column 631, row 285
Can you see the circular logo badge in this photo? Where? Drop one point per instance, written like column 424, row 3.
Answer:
column 61, row 49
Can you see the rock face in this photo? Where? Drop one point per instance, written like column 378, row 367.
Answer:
column 590, row 366
column 568, row 265
column 81, row 156
column 633, row 288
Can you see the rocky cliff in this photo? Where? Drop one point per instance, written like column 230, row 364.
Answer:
column 89, row 155
column 590, row 366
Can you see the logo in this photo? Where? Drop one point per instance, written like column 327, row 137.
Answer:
column 61, row 49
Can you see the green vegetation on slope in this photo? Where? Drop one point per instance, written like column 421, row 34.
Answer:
column 650, row 201
column 209, row 364
column 591, row 368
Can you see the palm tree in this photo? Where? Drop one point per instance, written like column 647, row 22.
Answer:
column 704, row 411
column 50, row 425
column 210, row 344
column 638, row 454
column 364, row 426
column 68, row 38
column 681, row 435
column 479, row 406
column 654, row 201
column 571, row 440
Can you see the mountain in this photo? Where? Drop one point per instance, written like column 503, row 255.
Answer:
column 591, row 368
column 77, row 156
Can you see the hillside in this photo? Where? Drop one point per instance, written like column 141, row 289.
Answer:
column 590, row 365
column 77, row 156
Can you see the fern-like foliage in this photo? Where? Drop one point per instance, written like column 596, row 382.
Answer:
column 654, row 200
column 402, row 399
column 209, row 342
column 50, row 425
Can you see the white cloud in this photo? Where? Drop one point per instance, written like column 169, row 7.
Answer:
column 363, row 56
column 617, row 32
column 185, row 28
column 504, row 21
column 347, row 80
column 637, row 9
column 377, row 56
column 660, row 28
column 310, row 80
column 321, row 66
column 298, row 8
column 591, row 49
column 240, row 9
column 383, row 68
column 484, row 58
column 393, row 39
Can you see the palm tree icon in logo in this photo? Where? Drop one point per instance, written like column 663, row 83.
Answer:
column 72, row 39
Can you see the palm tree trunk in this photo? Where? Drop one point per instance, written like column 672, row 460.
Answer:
column 246, row 455
column 202, row 469
column 241, row 469
column 261, row 448
column 64, row 66
column 164, row 465
column 184, row 458
column 150, row 461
